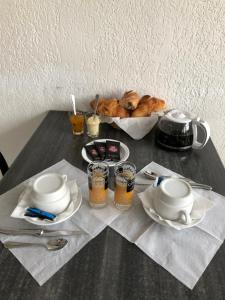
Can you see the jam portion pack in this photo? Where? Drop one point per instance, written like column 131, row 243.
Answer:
column 101, row 148
column 104, row 151
column 92, row 152
column 112, row 150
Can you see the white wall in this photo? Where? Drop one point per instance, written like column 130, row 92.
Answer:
column 50, row 48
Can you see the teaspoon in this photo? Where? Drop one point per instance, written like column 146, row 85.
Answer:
column 153, row 176
column 51, row 245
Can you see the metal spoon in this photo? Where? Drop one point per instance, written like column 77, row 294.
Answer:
column 153, row 176
column 97, row 101
column 51, row 245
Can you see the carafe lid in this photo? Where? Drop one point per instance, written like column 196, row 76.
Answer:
column 178, row 116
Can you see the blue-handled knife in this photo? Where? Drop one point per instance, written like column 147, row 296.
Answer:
column 36, row 212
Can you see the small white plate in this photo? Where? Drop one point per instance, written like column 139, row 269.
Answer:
column 150, row 210
column 124, row 152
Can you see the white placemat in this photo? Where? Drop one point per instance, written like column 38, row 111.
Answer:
column 185, row 253
column 38, row 261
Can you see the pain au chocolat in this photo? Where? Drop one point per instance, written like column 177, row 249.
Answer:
column 130, row 100
column 147, row 105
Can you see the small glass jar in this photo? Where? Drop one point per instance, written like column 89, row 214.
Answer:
column 124, row 185
column 77, row 122
column 98, row 175
column 93, row 124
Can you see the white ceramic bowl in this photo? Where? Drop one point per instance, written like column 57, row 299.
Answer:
column 174, row 200
column 50, row 193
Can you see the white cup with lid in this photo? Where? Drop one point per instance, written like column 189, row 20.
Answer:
column 174, row 200
column 50, row 193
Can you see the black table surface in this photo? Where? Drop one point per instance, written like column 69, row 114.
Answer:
column 109, row 267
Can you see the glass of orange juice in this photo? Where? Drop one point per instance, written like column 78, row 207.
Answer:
column 98, row 175
column 124, row 185
column 77, row 122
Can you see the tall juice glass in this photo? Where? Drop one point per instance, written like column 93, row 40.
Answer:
column 124, row 185
column 77, row 122
column 98, row 174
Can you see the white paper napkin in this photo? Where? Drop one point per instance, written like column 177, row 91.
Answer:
column 185, row 253
column 137, row 127
column 90, row 221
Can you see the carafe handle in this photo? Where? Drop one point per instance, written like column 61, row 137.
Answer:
column 206, row 129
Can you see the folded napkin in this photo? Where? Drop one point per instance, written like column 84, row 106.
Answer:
column 90, row 221
column 137, row 127
column 184, row 253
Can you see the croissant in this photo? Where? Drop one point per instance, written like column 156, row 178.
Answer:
column 145, row 99
column 94, row 102
column 147, row 105
column 122, row 112
column 130, row 100
column 117, row 108
column 110, row 108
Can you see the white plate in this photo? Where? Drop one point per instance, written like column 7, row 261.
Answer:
column 174, row 224
column 124, row 152
column 74, row 205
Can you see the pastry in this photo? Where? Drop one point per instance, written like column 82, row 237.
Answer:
column 144, row 99
column 141, row 111
column 94, row 102
column 148, row 105
column 156, row 104
column 113, row 107
column 130, row 100
column 110, row 108
column 122, row 112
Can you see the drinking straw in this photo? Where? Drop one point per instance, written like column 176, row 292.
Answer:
column 74, row 104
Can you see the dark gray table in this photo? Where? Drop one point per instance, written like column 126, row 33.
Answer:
column 109, row 267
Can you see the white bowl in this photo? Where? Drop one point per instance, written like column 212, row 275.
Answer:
column 124, row 152
column 174, row 200
column 50, row 193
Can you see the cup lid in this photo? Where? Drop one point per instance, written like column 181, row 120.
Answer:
column 48, row 183
column 176, row 192
column 175, row 188
column 178, row 116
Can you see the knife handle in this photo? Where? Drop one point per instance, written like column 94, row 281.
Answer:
column 40, row 213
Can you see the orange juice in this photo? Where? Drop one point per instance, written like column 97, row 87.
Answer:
column 98, row 184
column 77, row 122
column 122, row 196
column 98, row 195
column 124, row 185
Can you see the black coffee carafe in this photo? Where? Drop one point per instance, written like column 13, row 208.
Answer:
column 176, row 130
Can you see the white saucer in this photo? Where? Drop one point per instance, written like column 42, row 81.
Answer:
column 124, row 152
column 74, row 205
column 149, row 209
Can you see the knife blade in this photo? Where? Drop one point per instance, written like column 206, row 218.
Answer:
column 41, row 232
